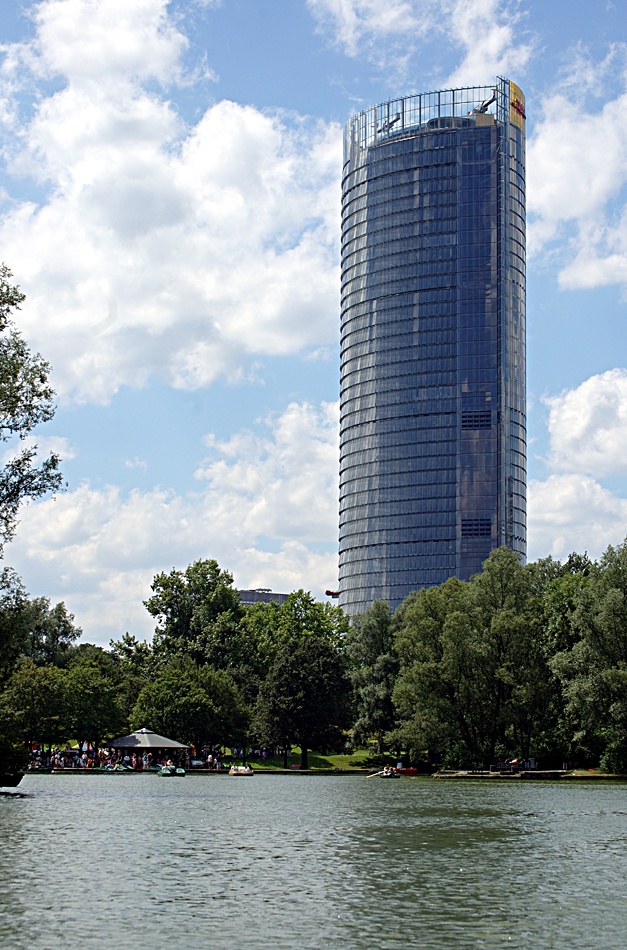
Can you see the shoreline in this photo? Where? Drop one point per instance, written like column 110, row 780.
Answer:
column 562, row 775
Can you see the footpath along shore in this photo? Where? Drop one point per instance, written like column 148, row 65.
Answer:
column 448, row 774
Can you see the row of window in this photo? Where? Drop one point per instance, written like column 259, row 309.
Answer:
column 446, row 209
column 361, row 290
column 475, row 337
column 399, row 272
column 444, row 335
column 372, row 259
column 397, row 481
column 428, row 401
column 475, row 319
column 361, row 382
column 397, row 366
column 409, row 332
column 363, row 405
column 367, row 233
column 371, row 587
column 408, row 506
column 445, row 223
column 445, row 296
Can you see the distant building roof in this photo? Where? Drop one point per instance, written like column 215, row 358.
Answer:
column 261, row 595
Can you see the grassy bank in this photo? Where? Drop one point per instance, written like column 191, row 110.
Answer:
column 346, row 763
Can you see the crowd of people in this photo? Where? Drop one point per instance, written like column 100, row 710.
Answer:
column 110, row 759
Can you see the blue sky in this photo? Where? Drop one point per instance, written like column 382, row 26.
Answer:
column 169, row 195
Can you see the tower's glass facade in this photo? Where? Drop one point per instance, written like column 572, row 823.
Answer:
column 432, row 430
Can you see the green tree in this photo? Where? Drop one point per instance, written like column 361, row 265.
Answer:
column 438, row 694
column 136, row 665
column 195, row 705
column 592, row 666
column 26, row 400
column 93, row 708
column 35, row 699
column 302, row 616
column 13, row 626
column 370, row 646
column 306, row 697
column 475, row 684
column 50, row 632
column 198, row 614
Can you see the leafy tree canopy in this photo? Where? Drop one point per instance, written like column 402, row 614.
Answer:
column 50, row 632
column 374, row 668
column 192, row 704
column 26, row 400
column 34, row 699
column 306, row 698
column 197, row 611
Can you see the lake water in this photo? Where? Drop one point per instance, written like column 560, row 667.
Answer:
column 297, row 861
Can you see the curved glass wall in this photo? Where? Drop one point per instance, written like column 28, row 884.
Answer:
column 432, row 431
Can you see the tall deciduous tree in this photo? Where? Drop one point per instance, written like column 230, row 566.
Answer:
column 50, row 632
column 26, row 400
column 195, row 705
column 13, row 626
column 374, row 668
column 305, row 699
column 35, row 700
column 198, row 613
column 136, row 665
column 592, row 668
column 93, row 708
column 475, row 684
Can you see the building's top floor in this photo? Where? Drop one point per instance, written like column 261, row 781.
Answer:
column 261, row 595
column 433, row 111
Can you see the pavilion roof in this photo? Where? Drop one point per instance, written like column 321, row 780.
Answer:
column 145, row 739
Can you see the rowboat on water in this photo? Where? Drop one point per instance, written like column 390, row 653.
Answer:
column 169, row 770
column 241, row 770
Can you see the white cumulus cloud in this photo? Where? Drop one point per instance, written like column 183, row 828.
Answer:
column 588, row 426
column 154, row 248
column 487, row 33
column 266, row 509
column 573, row 512
column 577, row 175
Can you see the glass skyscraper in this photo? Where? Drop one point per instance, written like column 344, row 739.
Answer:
column 432, row 417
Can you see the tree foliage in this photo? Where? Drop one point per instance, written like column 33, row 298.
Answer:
column 192, row 704
column 374, row 669
column 26, row 400
column 305, row 698
column 35, row 702
column 198, row 613
column 474, row 683
column 519, row 662
column 94, row 711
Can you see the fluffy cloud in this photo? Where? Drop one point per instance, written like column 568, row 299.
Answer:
column 490, row 35
column 390, row 32
column 573, row 513
column 159, row 249
column 281, row 485
column 86, row 39
column 588, row 426
column 576, row 193
column 98, row 549
column 571, row 510
column 358, row 23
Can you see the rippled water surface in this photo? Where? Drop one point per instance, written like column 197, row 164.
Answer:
column 298, row 861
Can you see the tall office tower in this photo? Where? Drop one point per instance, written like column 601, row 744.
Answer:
column 432, row 443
